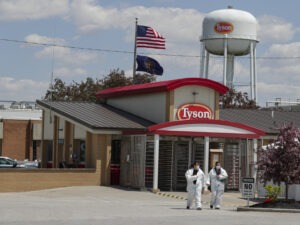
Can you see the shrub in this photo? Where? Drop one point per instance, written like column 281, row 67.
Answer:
column 273, row 192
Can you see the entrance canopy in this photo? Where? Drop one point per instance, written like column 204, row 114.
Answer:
column 207, row 128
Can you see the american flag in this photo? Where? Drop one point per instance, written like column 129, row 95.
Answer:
column 147, row 37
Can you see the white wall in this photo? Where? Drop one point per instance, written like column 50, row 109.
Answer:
column 79, row 133
column 185, row 95
column 48, row 127
column 149, row 106
column 294, row 191
column 61, row 128
column 37, row 131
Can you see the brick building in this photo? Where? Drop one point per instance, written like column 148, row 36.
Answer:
column 20, row 132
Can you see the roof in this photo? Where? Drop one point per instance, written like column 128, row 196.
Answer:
column 97, row 116
column 261, row 119
column 160, row 87
column 206, row 127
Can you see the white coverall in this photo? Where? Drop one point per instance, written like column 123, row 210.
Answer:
column 194, row 190
column 217, row 185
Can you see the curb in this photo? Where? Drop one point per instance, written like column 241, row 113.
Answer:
column 244, row 209
column 170, row 196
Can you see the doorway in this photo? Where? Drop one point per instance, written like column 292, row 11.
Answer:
column 215, row 156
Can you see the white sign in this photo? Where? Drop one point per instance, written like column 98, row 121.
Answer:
column 248, row 187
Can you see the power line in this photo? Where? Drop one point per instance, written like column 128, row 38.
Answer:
column 131, row 52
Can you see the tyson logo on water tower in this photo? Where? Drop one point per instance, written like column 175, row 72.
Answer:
column 194, row 111
column 223, row 27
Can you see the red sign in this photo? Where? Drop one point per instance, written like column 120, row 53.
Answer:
column 194, row 111
column 223, row 27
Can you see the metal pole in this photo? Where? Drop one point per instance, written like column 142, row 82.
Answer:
column 134, row 52
column 155, row 166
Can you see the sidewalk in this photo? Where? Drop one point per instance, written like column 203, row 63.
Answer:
column 230, row 199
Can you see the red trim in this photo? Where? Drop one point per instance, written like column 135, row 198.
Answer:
column 206, row 134
column 155, row 128
column 160, row 87
column 132, row 132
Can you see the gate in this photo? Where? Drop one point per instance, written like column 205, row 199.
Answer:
column 232, row 165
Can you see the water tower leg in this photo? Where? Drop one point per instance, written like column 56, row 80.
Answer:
column 230, row 70
column 206, row 64
column 251, row 72
column 225, row 62
column 202, row 59
column 255, row 73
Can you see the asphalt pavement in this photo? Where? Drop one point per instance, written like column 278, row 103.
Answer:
column 114, row 206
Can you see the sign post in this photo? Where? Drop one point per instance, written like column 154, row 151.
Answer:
column 248, row 189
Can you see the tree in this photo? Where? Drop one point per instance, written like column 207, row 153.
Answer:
column 234, row 99
column 86, row 90
column 143, row 78
column 57, row 92
column 83, row 91
column 115, row 78
column 280, row 161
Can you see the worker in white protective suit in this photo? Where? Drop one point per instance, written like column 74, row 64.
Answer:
column 216, row 182
column 195, row 182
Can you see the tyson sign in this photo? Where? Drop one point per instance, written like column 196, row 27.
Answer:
column 223, row 27
column 194, row 111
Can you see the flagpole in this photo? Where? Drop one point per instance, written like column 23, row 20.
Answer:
column 134, row 52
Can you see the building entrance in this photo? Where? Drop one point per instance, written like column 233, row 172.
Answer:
column 175, row 157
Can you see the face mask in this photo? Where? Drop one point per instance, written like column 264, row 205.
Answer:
column 197, row 167
column 218, row 167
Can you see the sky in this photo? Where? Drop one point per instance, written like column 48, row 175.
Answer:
column 99, row 37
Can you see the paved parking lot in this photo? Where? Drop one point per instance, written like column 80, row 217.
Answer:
column 105, row 205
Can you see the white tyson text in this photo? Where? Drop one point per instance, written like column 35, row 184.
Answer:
column 194, row 114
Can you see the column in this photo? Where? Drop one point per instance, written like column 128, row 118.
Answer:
column 206, row 155
column 254, row 158
column 190, row 153
column 155, row 166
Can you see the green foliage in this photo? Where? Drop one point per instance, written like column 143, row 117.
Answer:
column 273, row 192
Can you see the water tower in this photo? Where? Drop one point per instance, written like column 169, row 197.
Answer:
column 229, row 33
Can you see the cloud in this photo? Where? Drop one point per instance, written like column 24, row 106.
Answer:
column 280, row 63
column 21, row 89
column 273, row 28
column 36, row 38
column 64, row 72
column 284, row 50
column 13, row 10
column 62, row 55
column 269, row 92
column 67, row 56
column 177, row 25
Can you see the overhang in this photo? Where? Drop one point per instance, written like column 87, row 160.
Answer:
column 160, row 87
column 207, row 128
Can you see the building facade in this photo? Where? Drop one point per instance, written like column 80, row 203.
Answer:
column 147, row 135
